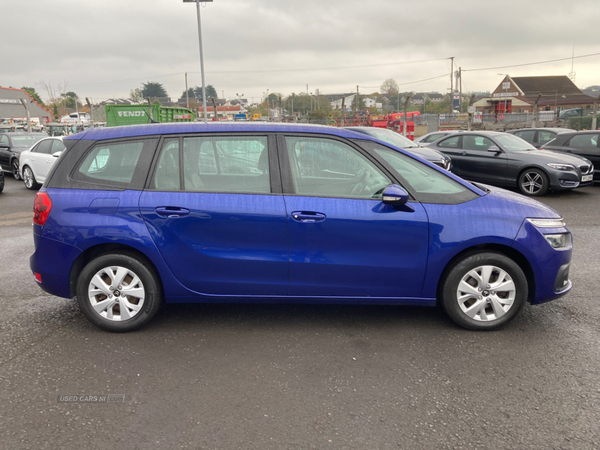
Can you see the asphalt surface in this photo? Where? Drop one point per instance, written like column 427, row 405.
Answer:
column 299, row 377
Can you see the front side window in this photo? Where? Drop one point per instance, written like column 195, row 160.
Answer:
column 451, row 142
column 584, row 140
column 330, row 168
column 57, row 146
column 433, row 137
column 476, row 143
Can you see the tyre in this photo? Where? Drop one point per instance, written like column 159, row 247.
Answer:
column 29, row 178
column 118, row 292
column 14, row 166
column 533, row 182
column 484, row 291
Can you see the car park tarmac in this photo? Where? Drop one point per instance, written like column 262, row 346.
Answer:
column 299, row 376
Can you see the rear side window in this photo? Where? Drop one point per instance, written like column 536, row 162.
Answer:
column 214, row 164
column 121, row 164
column 545, row 136
column 528, row 135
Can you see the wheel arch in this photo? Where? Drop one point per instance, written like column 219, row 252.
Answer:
column 505, row 250
column 102, row 249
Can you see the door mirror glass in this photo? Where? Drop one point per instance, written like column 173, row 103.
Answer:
column 394, row 195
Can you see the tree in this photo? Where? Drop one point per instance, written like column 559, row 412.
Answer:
column 153, row 89
column 389, row 87
column 34, row 95
column 361, row 103
column 211, row 92
column 136, row 96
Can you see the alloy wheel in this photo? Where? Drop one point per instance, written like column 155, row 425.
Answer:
column 116, row 293
column 486, row 293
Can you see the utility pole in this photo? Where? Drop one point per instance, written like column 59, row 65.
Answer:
column 406, row 100
column 460, row 89
column 187, row 98
column 357, row 99
column 595, row 114
column 24, row 102
column 535, row 111
column 451, row 83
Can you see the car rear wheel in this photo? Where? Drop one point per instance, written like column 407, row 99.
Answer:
column 14, row 165
column 29, row 178
column 533, row 182
column 484, row 291
column 118, row 292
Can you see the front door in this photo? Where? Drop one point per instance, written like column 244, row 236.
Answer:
column 214, row 216
column 479, row 164
column 343, row 241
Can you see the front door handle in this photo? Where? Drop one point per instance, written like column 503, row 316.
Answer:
column 463, row 153
column 171, row 211
column 308, row 216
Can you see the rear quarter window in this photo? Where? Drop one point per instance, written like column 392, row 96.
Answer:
column 118, row 164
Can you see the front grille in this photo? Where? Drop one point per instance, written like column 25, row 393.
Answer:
column 585, row 169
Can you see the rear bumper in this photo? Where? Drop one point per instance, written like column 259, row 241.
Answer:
column 53, row 271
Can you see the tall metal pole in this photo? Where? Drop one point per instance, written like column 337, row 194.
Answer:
column 187, row 97
column 201, row 61
column 451, row 84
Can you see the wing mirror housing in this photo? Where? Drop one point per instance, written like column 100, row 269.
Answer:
column 394, row 195
column 57, row 154
column 494, row 149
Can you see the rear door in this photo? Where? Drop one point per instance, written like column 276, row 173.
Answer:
column 215, row 211
column 343, row 241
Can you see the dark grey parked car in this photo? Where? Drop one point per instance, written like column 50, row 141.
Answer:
column 1, row 181
column 11, row 146
column 391, row 137
column 539, row 136
column 582, row 143
column 505, row 160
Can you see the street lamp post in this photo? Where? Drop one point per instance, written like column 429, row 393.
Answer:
column 201, row 53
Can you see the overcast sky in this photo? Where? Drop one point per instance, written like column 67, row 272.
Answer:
column 105, row 48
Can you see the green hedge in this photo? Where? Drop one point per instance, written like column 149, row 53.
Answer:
column 582, row 123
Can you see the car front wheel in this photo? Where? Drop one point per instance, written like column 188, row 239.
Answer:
column 14, row 165
column 484, row 291
column 118, row 292
column 533, row 182
column 29, row 178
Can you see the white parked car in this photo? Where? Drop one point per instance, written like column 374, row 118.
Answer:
column 76, row 118
column 35, row 163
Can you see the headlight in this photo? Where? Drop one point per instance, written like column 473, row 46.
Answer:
column 559, row 166
column 557, row 241
column 548, row 223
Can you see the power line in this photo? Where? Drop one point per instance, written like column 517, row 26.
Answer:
column 532, row 63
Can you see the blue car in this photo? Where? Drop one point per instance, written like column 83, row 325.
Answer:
column 133, row 217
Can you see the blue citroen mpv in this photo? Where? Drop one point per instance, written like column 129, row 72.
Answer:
column 131, row 217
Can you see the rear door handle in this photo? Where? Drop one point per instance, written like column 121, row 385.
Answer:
column 308, row 216
column 171, row 211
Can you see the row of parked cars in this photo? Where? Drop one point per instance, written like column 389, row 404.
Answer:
column 532, row 160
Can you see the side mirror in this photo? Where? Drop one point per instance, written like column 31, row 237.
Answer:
column 394, row 195
column 494, row 149
column 57, row 154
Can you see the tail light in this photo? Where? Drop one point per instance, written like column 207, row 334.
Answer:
column 42, row 206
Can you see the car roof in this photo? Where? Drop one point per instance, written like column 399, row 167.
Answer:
column 211, row 127
column 554, row 129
